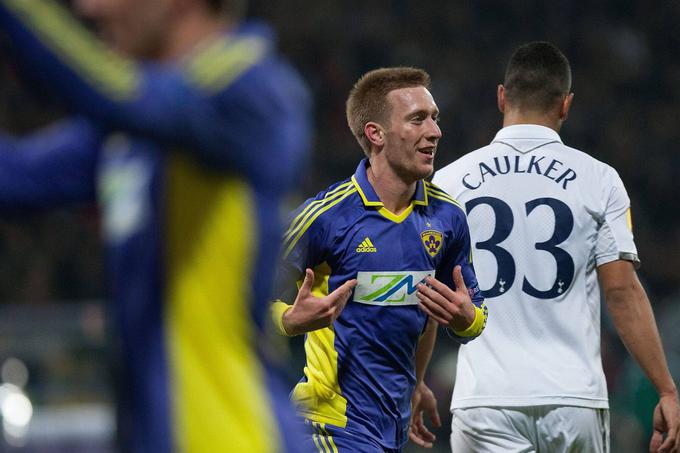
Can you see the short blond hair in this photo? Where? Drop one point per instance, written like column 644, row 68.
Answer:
column 367, row 101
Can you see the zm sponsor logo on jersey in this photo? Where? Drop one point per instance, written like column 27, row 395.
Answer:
column 366, row 246
column 389, row 288
column 432, row 240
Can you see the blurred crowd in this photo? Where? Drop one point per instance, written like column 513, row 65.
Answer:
column 626, row 79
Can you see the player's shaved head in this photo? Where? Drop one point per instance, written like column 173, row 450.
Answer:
column 368, row 102
column 537, row 77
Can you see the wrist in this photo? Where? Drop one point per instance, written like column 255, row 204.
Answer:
column 477, row 325
column 670, row 390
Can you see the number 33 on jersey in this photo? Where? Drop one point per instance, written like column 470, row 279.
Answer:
column 542, row 217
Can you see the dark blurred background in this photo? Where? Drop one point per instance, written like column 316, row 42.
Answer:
column 626, row 65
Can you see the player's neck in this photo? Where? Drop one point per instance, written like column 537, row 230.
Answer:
column 393, row 191
column 190, row 30
column 547, row 119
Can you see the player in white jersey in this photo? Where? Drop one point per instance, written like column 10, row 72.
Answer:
column 550, row 228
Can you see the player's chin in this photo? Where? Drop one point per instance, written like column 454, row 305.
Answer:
column 424, row 169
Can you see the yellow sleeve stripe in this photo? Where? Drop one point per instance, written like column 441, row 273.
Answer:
column 324, row 438
column 110, row 74
column 304, row 227
column 223, row 61
column 278, row 309
column 436, row 190
column 446, row 198
column 477, row 326
column 306, row 212
column 330, row 438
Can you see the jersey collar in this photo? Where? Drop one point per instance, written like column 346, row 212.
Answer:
column 526, row 137
column 368, row 195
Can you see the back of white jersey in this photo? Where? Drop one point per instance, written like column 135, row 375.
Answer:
column 542, row 217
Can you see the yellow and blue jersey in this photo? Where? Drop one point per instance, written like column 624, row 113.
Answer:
column 360, row 371
column 188, row 162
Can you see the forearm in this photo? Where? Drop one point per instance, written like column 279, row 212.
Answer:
column 424, row 349
column 632, row 315
column 55, row 47
column 50, row 167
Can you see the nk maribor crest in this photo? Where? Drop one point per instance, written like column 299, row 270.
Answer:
column 432, row 240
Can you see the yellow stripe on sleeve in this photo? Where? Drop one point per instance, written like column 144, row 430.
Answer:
column 322, row 437
column 223, row 61
column 329, row 437
column 113, row 76
column 304, row 214
column 306, row 225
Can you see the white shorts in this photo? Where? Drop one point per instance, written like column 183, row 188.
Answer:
column 537, row 429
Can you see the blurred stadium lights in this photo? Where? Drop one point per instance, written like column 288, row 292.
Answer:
column 71, row 411
column 16, row 410
column 14, row 371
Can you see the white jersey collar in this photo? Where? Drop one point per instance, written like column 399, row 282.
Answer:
column 525, row 138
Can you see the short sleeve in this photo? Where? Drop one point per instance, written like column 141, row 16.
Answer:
column 615, row 234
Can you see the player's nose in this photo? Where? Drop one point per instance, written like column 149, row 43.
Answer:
column 434, row 132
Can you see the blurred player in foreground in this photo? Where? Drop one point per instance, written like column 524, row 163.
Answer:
column 550, row 227
column 387, row 233
column 192, row 129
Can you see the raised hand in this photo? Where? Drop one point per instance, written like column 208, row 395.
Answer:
column 309, row 312
column 450, row 308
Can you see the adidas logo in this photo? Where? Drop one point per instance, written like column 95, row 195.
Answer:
column 366, row 246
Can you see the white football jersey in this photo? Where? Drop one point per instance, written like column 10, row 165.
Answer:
column 542, row 217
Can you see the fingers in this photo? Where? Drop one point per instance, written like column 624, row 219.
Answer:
column 439, row 287
column 416, row 439
column 669, row 445
column 434, row 309
column 343, row 292
column 655, row 442
column 308, row 282
column 422, row 430
column 458, row 279
column 433, row 414
column 419, row 434
column 337, row 299
column 348, row 286
column 428, row 312
column 665, row 420
column 439, row 307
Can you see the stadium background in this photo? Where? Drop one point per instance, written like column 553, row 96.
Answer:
column 624, row 56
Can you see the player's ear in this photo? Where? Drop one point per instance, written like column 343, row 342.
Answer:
column 566, row 105
column 374, row 133
column 500, row 95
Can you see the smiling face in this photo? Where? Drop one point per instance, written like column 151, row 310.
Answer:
column 411, row 133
